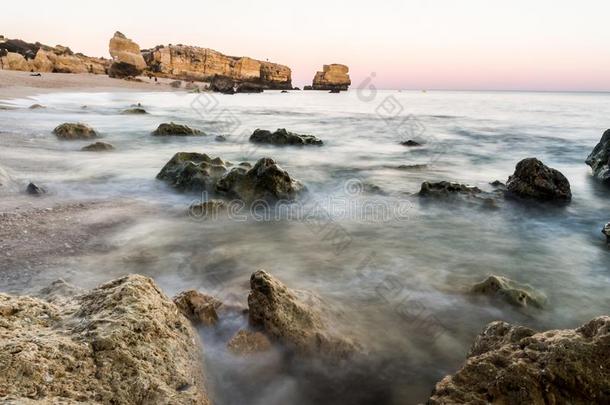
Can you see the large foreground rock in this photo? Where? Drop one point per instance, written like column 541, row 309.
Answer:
column 533, row 179
column 172, row 129
column 193, row 171
column 126, row 56
column 515, row 365
column 509, row 291
column 294, row 318
column 599, row 159
column 332, row 77
column 124, row 342
column 282, row 137
column 74, row 131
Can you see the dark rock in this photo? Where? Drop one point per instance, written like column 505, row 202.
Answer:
column 172, row 129
column 220, row 138
column 511, row 365
column 249, row 88
column 74, row 131
column 412, row 167
column 222, row 84
column 176, row 84
column 599, row 159
column 411, row 143
column 122, row 70
column 33, row 189
column 98, row 147
column 606, row 231
column 335, row 91
column 532, row 179
column 283, row 137
column 284, row 91
column 136, row 110
column 295, row 88
column 193, row 172
column 509, row 291
column 307, row 87
column 293, row 320
column 498, row 184
column 27, row 50
column 445, row 189
column 265, row 181
column 36, row 106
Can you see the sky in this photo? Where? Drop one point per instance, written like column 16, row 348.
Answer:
column 549, row 45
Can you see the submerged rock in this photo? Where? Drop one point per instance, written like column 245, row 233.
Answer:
column 172, row 129
column 512, row 365
column 445, row 189
column 98, row 147
column 283, row 137
column 411, row 143
column 265, row 181
column 34, row 189
column 199, row 308
column 533, row 179
column 599, row 159
column 74, row 131
column 220, row 138
column 123, row 342
column 293, row 320
column 193, row 172
column 36, row 106
column 509, row 291
column 135, row 110
column 246, row 342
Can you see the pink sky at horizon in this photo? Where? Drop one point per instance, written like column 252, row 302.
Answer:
column 435, row 44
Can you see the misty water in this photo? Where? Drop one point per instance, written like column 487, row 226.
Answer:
column 395, row 281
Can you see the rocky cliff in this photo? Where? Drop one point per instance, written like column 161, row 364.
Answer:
column 16, row 54
column 126, row 56
column 332, row 77
column 194, row 63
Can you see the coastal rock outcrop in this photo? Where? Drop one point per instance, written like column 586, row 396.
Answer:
column 193, row 171
column 74, row 131
column 514, row 365
column 509, row 291
column 98, row 147
column 127, row 58
column 533, row 179
column 172, row 129
column 122, row 342
column 293, row 319
column 246, row 342
column 444, row 189
column 332, row 77
column 599, row 159
column 199, row 308
column 202, row 64
column 222, row 84
column 283, row 137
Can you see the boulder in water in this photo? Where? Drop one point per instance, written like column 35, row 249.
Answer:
column 444, row 189
column 134, row 111
column 599, row 159
column 193, row 172
column 199, row 308
column 509, row 291
column 172, row 129
column 514, row 365
column 222, row 84
column 533, row 179
column 74, row 131
column 246, row 342
column 283, row 137
column 411, row 143
column 220, row 138
column 98, row 147
column 36, row 106
column 34, row 189
column 247, row 87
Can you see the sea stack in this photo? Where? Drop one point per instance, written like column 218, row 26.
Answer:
column 332, row 77
column 126, row 56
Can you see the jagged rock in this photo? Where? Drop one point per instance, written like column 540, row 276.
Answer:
column 124, row 342
column 36, row 107
column 222, row 84
column 332, row 77
column 446, row 189
column 74, row 131
column 291, row 318
column 411, row 143
column 606, row 231
column 134, row 111
column 249, row 88
column 193, row 172
column 199, row 308
column 532, row 179
column 266, row 181
column 509, row 291
column 98, row 147
column 246, row 342
column 498, row 184
column 599, row 159
column 172, row 129
column 34, row 189
column 201, row 64
column 516, row 366
column 126, row 56
column 283, row 137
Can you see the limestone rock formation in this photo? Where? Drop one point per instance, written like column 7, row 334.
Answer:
column 283, row 137
column 127, row 58
column 202, row 64
column 332, row 77
column 599, row 159
column 98, row 147
column 509, row 291
column 246, row 342
column 293, row 319
column 533, row 179
column 124, row 342
column 199, row 308
column 514, row 365
column 74, row 131
column 173, row 129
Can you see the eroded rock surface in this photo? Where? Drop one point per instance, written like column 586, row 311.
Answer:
column 444, row 189
column 98, row 147
column 294, row 318
column 193, row 171
column 246, row 342
column 199, row 308
column 533, row 179
column 74, row 131
column 514, row 365
column 599, row 159
column 332, row 77
column 124, row 342
column 172, row 129
column 127, row 58
column 283, row 137
column 509, row 291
